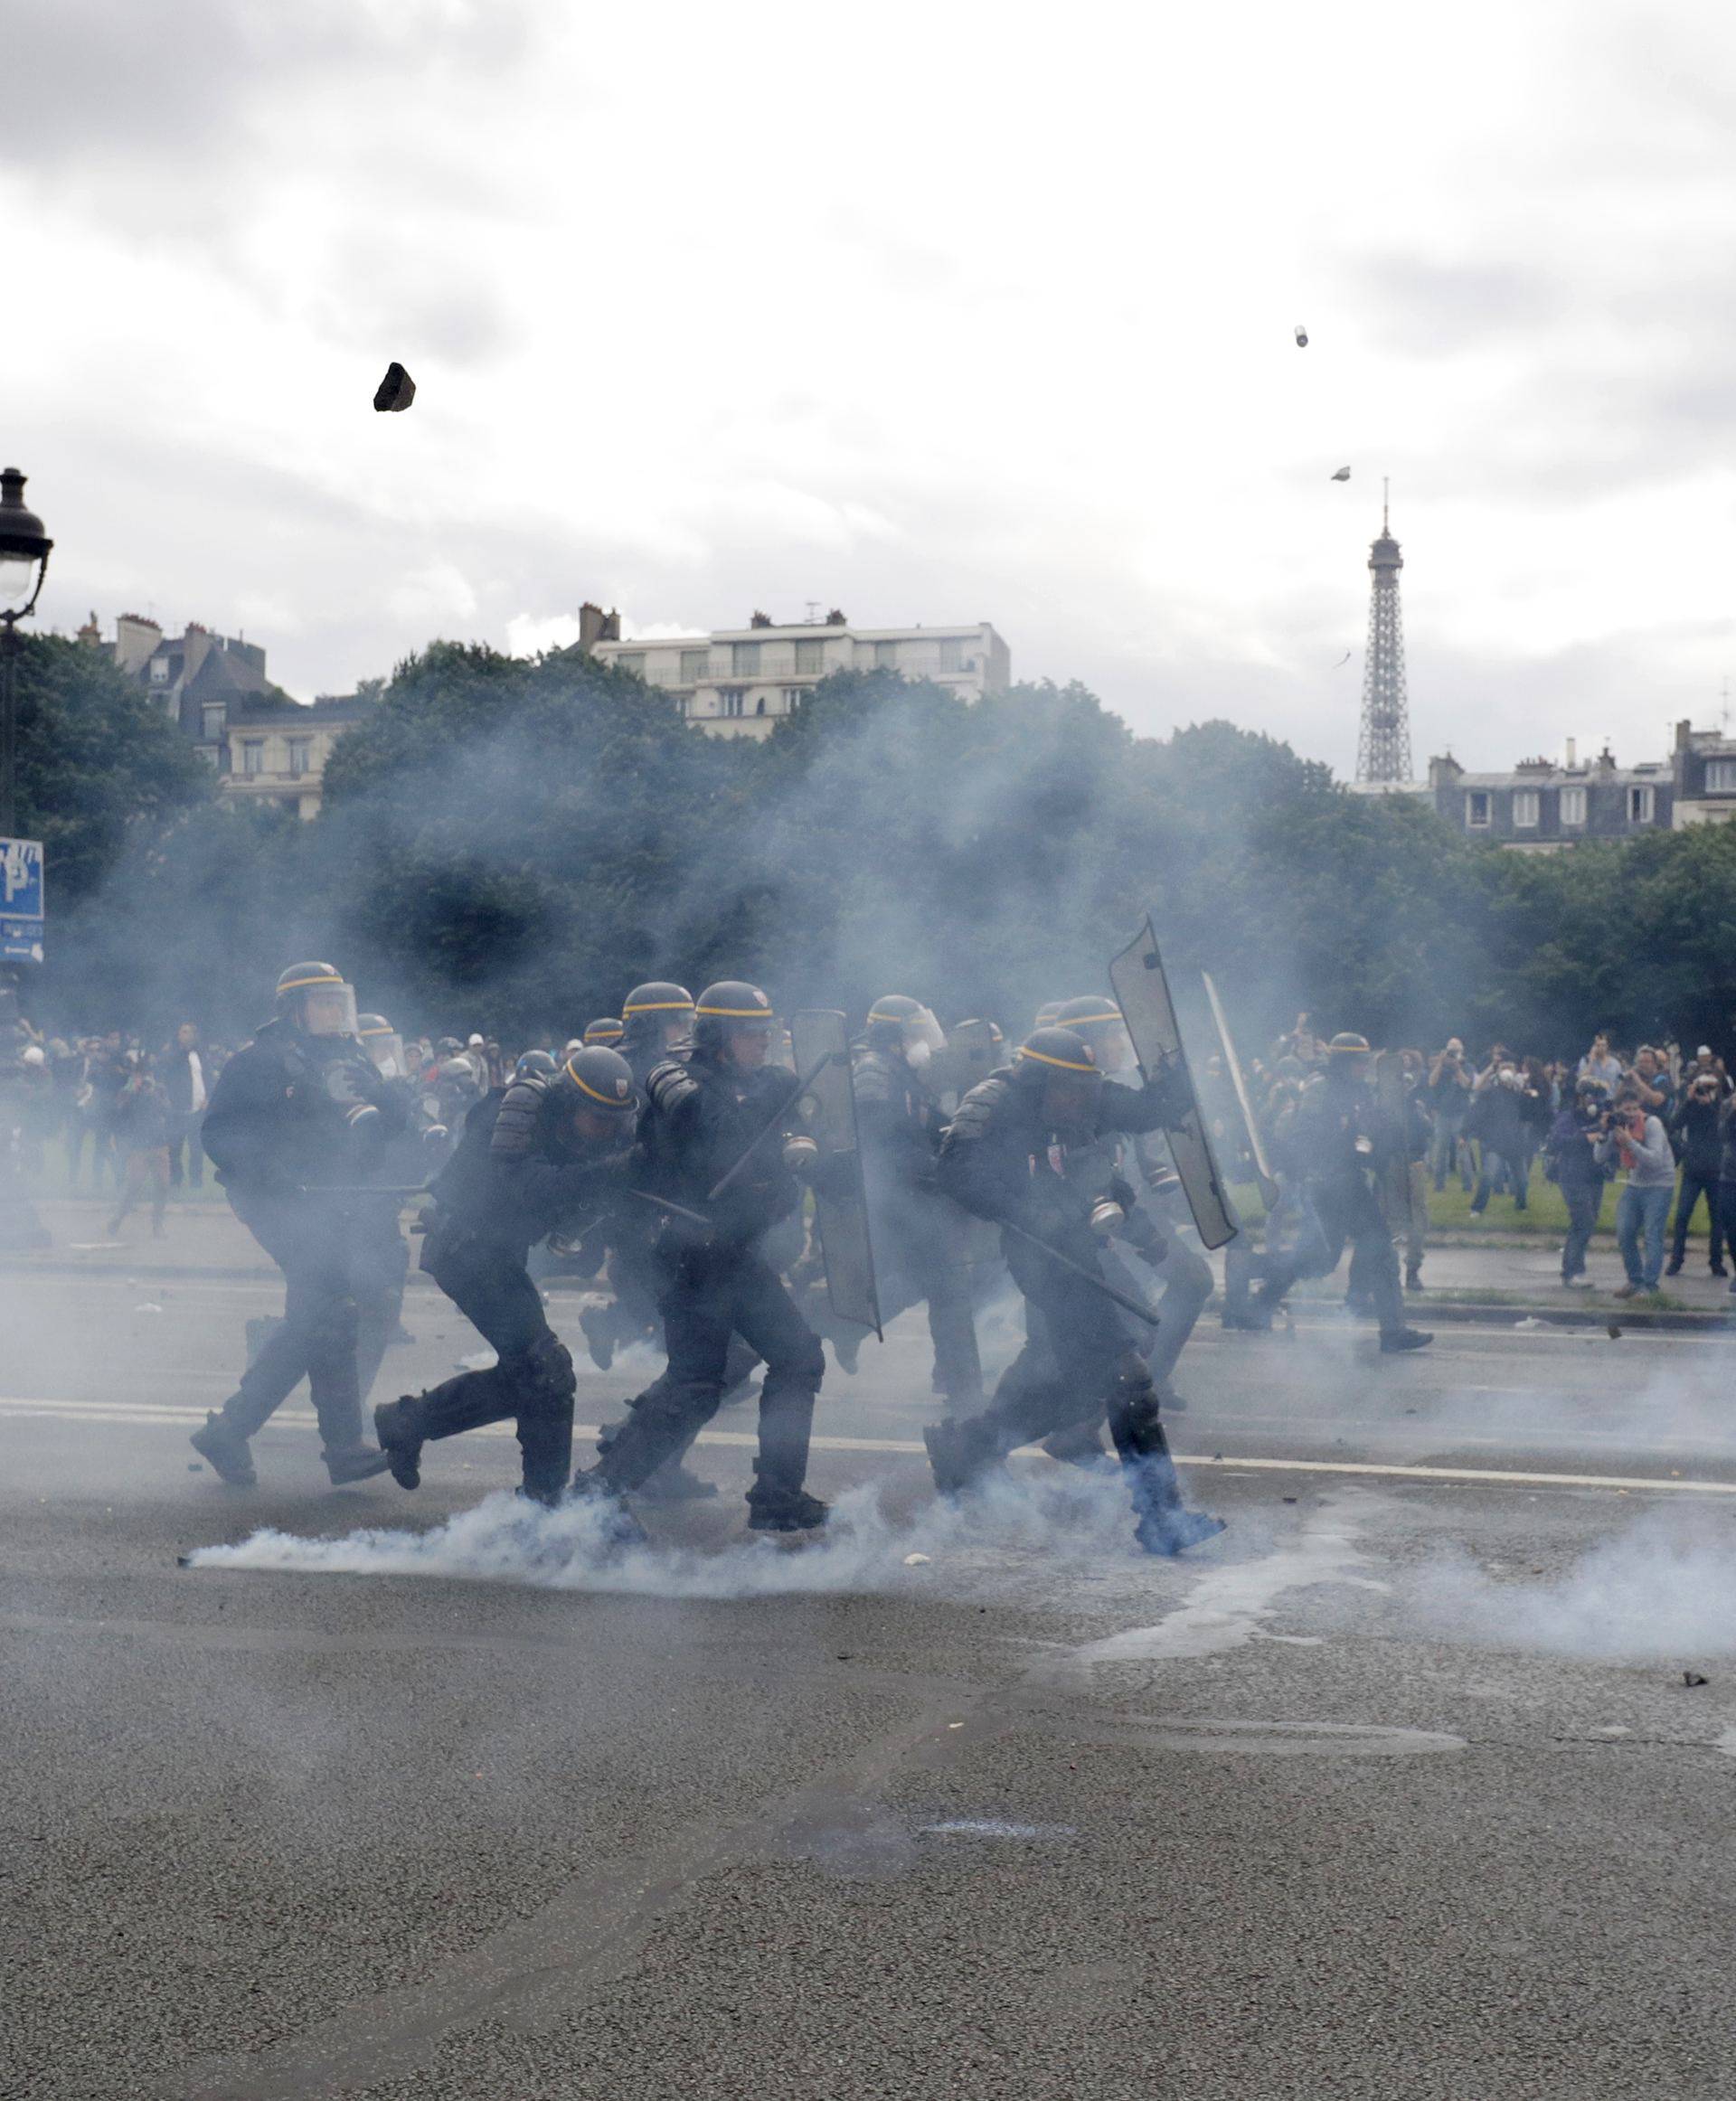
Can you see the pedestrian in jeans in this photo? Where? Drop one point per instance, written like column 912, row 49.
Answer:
column 141, row 1120
column 1637, row 1143
column 1497, row 1120
column 1449, row 1098
column 1699, row 1132
column 1571, row 1162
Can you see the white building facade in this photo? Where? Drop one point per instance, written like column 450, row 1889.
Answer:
column 742, row 681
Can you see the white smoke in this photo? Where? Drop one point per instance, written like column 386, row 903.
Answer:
column 1663, row 1587
column 1049, row 1516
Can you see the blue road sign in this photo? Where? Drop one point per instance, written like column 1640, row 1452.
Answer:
column 21, row 901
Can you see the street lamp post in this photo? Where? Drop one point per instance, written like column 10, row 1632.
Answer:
column 23, row 563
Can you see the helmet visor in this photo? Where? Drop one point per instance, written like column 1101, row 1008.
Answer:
column 328, row 1010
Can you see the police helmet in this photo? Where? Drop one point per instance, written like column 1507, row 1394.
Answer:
column 1347, row 1043
column 656, row 1012
column 1046, row 1014
column 605, row 1030
column 596, row 1078
column 318, row 999
column 539, row 1064
column 1099, row 1021
column 732, row 1007
column 896, row 1021
column 382, row 1043
column 1052, row 1052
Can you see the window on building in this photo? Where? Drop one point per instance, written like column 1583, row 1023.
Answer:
column 301, row 756
column 252, row 756
column 1527, row 804
column 793, row 697
column 1639, row 805
column 744, row 656
column 1573, row 805
column 1720, row 776
column 952, row 653
column 634, row 662
column 1476, row 808
column 159, row 672
column 731, row 699
column 213, row 713
column 810, row 656
column 694, row 664
column 885, row 656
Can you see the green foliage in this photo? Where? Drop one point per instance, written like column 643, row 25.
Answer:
column 511, row 844
column 96, row 765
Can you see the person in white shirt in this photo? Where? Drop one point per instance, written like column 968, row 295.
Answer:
column 181, row 1070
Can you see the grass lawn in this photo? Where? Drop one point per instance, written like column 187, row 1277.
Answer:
column 1544, row 1215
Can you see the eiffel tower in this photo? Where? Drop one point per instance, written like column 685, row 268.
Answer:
column 1384, row 747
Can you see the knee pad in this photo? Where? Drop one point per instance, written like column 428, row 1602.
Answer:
column 333, row 1325
column 548, row 1363
column 1133, row 1400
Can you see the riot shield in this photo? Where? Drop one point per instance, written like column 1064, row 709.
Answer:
column 1232, row 1066
column 1142, row 992
column 1391, row 1112
column 827, row 1109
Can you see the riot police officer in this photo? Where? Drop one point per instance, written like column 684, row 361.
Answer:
column 535, row 1157
column 1184, row 1272
column 605, row 1031
column 1004, row 1156
column 919, row 1236
column 1336, row 1139
column 300, row 1106
column 713, row 1143
column 657, row 1017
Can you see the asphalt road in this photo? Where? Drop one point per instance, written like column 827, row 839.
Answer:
column 1396, row 1790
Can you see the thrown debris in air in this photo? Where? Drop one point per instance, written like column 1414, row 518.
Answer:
column 1342, row 474
column 396, row 391
column 1614, row 1332
column 1301, row 336
column 1694, row 1678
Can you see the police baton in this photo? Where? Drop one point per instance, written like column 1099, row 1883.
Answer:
column 802, row 1085
column 1079, row 1270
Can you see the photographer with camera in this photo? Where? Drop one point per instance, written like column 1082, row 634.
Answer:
column 1699, row 1135
column 1571, row 1162
column 1449, row 1102
column 1635, row 1142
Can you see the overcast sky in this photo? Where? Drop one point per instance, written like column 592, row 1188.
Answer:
column 935, row 311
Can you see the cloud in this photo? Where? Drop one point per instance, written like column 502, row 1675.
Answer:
column 1003, row 336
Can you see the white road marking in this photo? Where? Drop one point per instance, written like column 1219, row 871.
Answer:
column 157, row 1414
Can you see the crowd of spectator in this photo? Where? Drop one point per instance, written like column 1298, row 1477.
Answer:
column 1661, row 1124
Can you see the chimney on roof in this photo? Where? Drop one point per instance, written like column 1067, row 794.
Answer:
column 1573, row 753
column 596, row 626
column 90, row 635
column 758, row 620
column 834, row 619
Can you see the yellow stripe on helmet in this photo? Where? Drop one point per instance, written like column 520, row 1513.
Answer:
column 1066, row 1064
column 300, row 983
column 736, row 1013
column 663, row 1007
column 1090, row 1020
column 610, row 1101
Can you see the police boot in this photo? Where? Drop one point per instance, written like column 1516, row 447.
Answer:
column 959, row 1454
column 350, row 1463
column 596, row 1323
column 1166, row 1525
column 225, row 1451
column 397, row 1425
column 617, row 1525
column 1078, row 1445
column 1401, row 1339
column 781, row 1505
